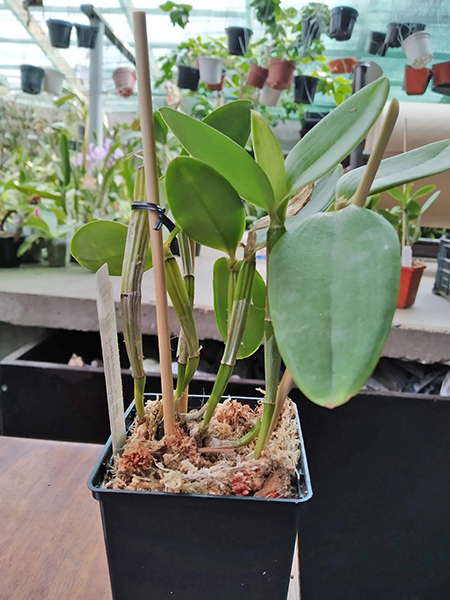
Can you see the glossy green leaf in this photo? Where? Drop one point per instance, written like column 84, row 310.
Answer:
column 47, row 222
column 269, row 155
column 398, row 195
column 66, row 169
column 331, row 140
column 430, row 201
column 427, row 189
column 333, row 285
column 232, row 119
column 410, row 166
column 161, row 128
column 204, row 204
column 101, row 242
column 222, row 154
column 254, row 330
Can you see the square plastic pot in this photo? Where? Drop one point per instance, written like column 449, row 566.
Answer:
column 238, row 40
column 86, row 36
column 59, row 32
column 269, row 96
column 417, row 48
column 409, row 284
column 257, row 76
column 441, row 78
column 198, row 547
column 9, row 246
column 53, row 81
column 188, row 78
column 31, row 79
column 210, row 69
column 281, row 73
column 305, row 89
column 377, row 44
column 342, row 65
column 416, row 81
column 342, row 21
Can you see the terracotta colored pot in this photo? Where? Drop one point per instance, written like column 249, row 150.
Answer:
column 416, row 81
column 281, row 73
column 342, row 65
column 257, row 76
column 409, row 284
column 124, row 78
column 216, row 87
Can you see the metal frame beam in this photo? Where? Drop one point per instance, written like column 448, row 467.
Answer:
column 91, row 12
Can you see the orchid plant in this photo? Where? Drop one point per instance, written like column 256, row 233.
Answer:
column 333, row 266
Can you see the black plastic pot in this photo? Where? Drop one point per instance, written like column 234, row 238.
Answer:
column 31, row 79
column 310, row 120
column 377, row 43
column 238, row 39
column 86, row 36
column 305, row 89
column 56, row 252
column 188, row 78
column 398, row 32
column 342, row 21
column 59, row 32
column 8, row 251
column 198, row 547
column 312, row 27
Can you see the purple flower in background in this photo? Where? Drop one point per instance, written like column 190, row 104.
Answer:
column 96, row 155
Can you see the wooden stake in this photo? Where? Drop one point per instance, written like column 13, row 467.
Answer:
column 404, row 239
column 151, row 182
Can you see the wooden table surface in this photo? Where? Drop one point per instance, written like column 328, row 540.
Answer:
column 51, row 539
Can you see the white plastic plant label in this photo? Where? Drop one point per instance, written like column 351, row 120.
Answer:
column 110, row 349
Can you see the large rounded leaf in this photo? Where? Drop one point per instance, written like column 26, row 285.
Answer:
column 232, row 119
column 204, row 204
column 223, row 154
column 101, row 242
column 333, row 285
column 254, row 330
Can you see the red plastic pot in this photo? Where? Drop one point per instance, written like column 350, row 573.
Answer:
column 416, row 81
column 441, row 78
column 409, row 284
column 342, row 65
column 281, row 73
column 257, row 76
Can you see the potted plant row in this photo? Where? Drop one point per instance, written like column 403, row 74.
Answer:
column 303, row 285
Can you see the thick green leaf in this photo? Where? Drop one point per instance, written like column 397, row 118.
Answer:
column 269, row 155
column 224, row 155
column 410, row 166
column 31, row 190
column 204, row 204
column 47, row 222
column 233, row 120
column 101, row 242
column 427, row 189
column 331, row 140
column 254, row 330
column 430, row 201
column 161, row 128
column 333, row 285
column 65, row 160
column 398, row 195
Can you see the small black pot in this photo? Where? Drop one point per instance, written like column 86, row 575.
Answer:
column 377, row 43
column 398, row 32
column 238, row 39
column 206, row 535
column 342, row 21
column 312, row 27
column 8, row 251
column 86, row 35
column 310, row 120
column 31, row 79
column 188, row 78
column 305, row 89
column 59, row 33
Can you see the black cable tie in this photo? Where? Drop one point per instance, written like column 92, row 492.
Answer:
column 163, row 219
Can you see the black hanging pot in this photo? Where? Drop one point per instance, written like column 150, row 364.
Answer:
column 398, row 32
column 342, row 21
column 86, row 36
column 59, row 33
column 238, row 39
column 305, row 89
column 377, row 43
column 188, row 78
column 31, row 79
column 312, row 27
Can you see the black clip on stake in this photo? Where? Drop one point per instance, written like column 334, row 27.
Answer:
column 163, row 219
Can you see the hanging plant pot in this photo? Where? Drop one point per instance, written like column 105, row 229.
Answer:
column 377, row 43
column 210, row 69
column 31, row 79
column 409, row 284
column 238, row 40
column 416, row 81
column 257, row 76
column 342, row 21
column 188, row 78
column 417, row 48
column 53, row 81
column 281, row 73
column 132, row 518
column 59, row 32
column 86, row 36
column 124, row 78
column 398, row 32
column 217, row 87
column 342, row 65
column 305, row 89
column 269, row 96
column 312, row 27
column 441, row 78
column 30, row 3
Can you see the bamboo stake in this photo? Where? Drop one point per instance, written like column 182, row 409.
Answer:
column 405, row 133
column 151, row 181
